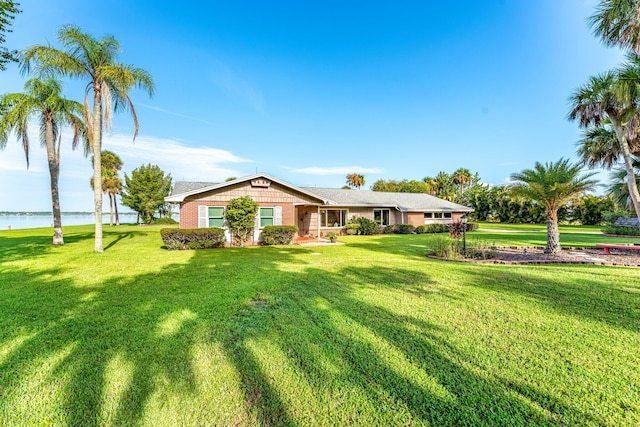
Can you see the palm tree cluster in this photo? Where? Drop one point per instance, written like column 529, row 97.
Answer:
column 355, row 180
column 608, row 105
column 109, row 82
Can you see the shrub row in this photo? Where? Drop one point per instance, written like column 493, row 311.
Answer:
column 165, row 220
column 192, row 238
column 441, row 228
column 278, row 234
column 621, row 230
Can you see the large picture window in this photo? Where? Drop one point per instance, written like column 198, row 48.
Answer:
column 266, row 216
column 333, row 217
column 381, row 216
column 216, row 217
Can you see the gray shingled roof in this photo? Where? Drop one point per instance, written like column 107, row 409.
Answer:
column 185, row 186
column 415, row 202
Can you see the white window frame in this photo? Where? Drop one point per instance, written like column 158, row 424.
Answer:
column 382, row 216
column 344, row 216
column 273, row 216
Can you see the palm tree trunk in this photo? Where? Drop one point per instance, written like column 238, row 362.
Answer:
column 96, row 146
column 115, row 205
column 553, row 234
column 54, row 170
column 634, row 194
column 110, row 210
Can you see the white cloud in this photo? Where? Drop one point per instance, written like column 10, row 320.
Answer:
column 335, row 170
column 29, row 190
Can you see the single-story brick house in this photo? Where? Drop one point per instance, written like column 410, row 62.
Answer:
column 315, row 211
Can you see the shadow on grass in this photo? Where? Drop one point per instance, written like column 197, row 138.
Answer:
column 340, row 344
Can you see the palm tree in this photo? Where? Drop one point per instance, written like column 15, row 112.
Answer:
column 111, row 182
column 614, row 96
column 43, row 100
column 617, row 22
column 552, row 185
column 355, row 180
column 95, row 60
column 618, row 187
column 462, row 177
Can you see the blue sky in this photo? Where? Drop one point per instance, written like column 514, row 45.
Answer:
column 309, row 92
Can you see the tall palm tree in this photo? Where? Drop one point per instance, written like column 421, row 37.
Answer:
column 614, row 96
column 355, row 180
column 617, row 22
column 43, row 100
column 552, row 185
column 96, row 61
column 462, row 177
column 111, row 182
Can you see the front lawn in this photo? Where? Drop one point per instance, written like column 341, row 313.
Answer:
column 367, row 333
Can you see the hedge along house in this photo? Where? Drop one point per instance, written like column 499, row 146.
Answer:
column 315, row 211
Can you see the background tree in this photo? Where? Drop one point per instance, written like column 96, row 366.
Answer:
column 145, row 190
column 43, row 101
column 95, row 60
column 241, row 216
column 231, row 178
column 590, row 209
column 614, row 96
column 461, row 177
column 355, row 180
column 8, row 11
column 552, row 185
column 111, row 182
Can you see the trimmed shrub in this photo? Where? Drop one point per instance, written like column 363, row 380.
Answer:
column 192, row 238
column 163, row 221
column 278, row 234
column 352, row 228
column 389, row 229
column 367, row 227
column 404, row 229
column 432, row 228
column 472, row 226
column 621, row 230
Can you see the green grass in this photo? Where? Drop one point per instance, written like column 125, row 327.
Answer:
column 540, row 227
column 367, row 333
column 536, row 235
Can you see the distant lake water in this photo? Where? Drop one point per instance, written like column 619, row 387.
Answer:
column 16, row 221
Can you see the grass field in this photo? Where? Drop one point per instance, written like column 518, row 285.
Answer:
column 367, row 333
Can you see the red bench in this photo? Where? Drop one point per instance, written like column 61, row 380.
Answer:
column 607, row 246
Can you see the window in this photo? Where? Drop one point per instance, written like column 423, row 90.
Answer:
column 428, row 215
column 266, row 216
column 447, row 214
column 216, row 217
column 381, row 216
column 333, row 217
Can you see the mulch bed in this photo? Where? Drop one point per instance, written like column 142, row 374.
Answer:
column 535, row 255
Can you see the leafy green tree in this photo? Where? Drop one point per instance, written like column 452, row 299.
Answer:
column 241, row 216
column 231, row 178
column 111, row 182
column 96, row 61
column 8, row 11
column 552, row 185
column 445, row 186
column 43, row 101
column 590, row 209
column 145, row 190
column 614, row 96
